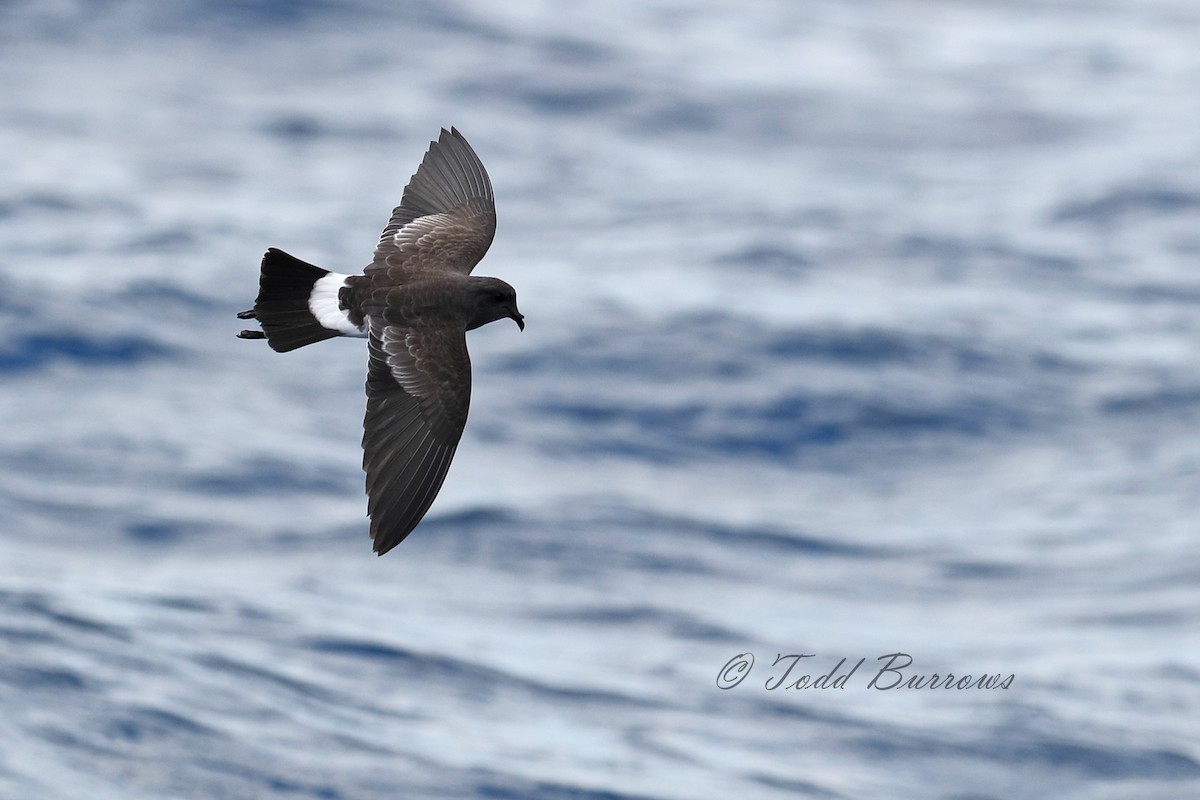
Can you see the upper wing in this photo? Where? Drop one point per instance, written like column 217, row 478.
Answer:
column 447, row 216
column 418, row 392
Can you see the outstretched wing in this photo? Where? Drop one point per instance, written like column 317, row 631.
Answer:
column 418, row 393
column 447, row 216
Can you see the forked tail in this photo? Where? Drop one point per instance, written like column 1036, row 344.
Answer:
column 287, row 288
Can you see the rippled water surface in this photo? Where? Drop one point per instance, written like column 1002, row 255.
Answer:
column 853, row 329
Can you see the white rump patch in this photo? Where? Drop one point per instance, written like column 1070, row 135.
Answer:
column 323, row 303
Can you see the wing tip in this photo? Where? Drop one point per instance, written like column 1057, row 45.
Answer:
column 382, row 545
column 450, row 174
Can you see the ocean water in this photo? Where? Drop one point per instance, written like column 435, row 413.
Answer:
column 854, row 329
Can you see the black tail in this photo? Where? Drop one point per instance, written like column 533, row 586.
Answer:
column 284, row 288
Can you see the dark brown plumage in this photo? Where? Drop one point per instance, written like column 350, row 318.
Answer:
column 414, row 304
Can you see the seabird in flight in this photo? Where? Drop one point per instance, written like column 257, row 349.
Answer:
column 414, row 303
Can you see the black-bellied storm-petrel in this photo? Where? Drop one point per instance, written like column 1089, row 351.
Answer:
column 414, row 304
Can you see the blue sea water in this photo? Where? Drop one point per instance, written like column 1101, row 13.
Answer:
column 854, row 328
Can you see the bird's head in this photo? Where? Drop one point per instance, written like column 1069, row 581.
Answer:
column 494, row 299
